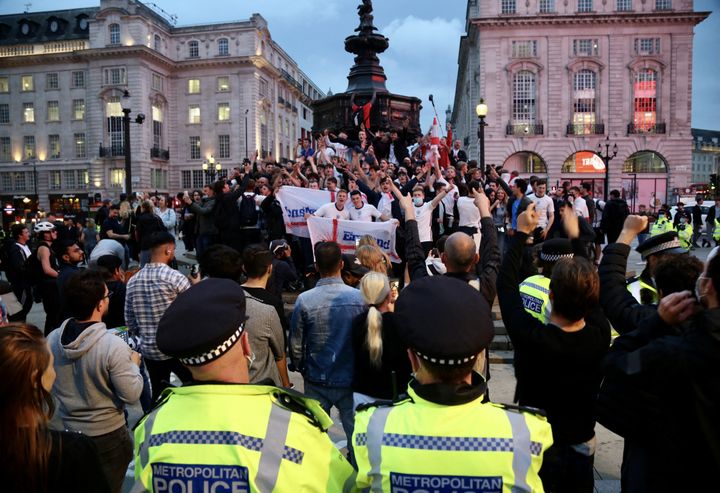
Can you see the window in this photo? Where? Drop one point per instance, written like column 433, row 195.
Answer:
column 197, row 178
column 4, row 84
column 20, row 182
column 585, row 47
column 524, row 90
column 80, row 150
column 69, row 178
column 223, row 48
column 193, row 49
column 647, row 46
column 83, row 178
column 194, row 113
column 113, row 111
column 157, row 126
column 193, row 86
column 158, row 178
column 29, row 147
column 507, row 6
column 78, row 109
column 223, row 112
column 114, row 31
column 623, row 5
column 117, row 177
column 584, row 85
column 263, row 88
column 28, row 113
column 53, row 111
column 51, row 81
column 524, row 49
column 585, row 5
column 157, row 82
column 194, row 147
column 287, row 127
column 663, row 4
column 4, row 113
column 223, row 146
column 547, row 6
column 157, row 43
column 55, row 180
column 115, row 76
column 27, row 83
column 186, row 179
column 5, row 149
column 78, row 79
column 54, row 146
column 645, row 100
column 6, row 181
column 223, row 84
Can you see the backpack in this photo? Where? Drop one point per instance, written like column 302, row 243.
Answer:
column 248, row 210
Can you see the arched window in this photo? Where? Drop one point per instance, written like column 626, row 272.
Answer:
column 526, row 163
column 222, row 45
column 644, row 101
column 193, row 49
column 645, row 162
column 114, row 31
column 584, row 103
column 524, row 97
column 158, row 43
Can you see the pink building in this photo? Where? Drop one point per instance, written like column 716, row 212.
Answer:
column 561, row 77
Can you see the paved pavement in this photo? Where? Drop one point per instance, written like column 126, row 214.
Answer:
column 502, row 387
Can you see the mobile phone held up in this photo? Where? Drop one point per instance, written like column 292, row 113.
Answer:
column 194, row 270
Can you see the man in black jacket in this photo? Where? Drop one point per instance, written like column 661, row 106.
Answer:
column 614, row 214
column 227, row 214
column 18, row 252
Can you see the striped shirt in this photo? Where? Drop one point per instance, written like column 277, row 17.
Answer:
column 149, row 293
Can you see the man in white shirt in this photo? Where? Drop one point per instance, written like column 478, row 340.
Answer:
column 360, row 211
column 579, row 203
column 423, row 214
column 469, row 220
column 334, row 210
column 545, row 209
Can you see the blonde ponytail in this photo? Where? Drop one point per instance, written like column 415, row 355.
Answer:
column 375, row 288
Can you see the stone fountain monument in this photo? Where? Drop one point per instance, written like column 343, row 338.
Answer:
column 366, row 86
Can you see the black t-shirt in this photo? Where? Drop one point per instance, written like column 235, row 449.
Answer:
column 113, row 225
column 283, row 273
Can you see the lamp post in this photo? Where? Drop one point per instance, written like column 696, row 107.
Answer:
column 246, row 132
column 606, row 157
column 211, row 168
column 482, row 111
column 125, row 101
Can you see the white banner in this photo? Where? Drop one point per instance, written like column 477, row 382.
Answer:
column 296, row 202
column 345, row 233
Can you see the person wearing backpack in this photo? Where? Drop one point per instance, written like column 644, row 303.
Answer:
column 16, row 255
column 249, row 209
column 45, row 266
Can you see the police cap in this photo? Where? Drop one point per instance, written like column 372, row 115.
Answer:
column 662, row 243
column 204, row 322
column 555, row 249
column 443, row 320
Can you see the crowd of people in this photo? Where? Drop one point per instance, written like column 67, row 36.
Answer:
column 400, row 348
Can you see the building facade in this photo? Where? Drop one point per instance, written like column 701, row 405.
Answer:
column 564, row 79
column 208, row 93
column 705, row 155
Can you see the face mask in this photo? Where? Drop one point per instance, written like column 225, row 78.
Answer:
column 698, row 294
column 418, row 201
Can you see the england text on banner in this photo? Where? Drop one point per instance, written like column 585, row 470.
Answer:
column 345, row 233
column 296, row 202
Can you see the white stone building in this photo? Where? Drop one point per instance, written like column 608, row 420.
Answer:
column 208, row 92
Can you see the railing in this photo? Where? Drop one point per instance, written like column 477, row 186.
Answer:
column 52, row 47
column 157, row 153
column 586, row 129
column 281, row 100
column 17, row 50
column 291, row 79
column 646, row 128
column 65, row 46
column 112, row 151
column 522, row 129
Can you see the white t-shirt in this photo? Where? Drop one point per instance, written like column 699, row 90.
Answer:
column 545, row 208
column 365, row 213
column 329, row 210
column 449, row 199
column 469, row 213
column 423, row 216
column 385, row 203
column 580, row 207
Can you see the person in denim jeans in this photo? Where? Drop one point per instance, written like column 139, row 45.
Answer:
column 321, row 336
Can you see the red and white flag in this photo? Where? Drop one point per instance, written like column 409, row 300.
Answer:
column 435, row 132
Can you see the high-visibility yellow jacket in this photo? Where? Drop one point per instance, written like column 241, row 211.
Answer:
column 685, row 234
column 237, row 438
column 661, row 225
column 535, row 294
column 636, row 285
column 418, row 445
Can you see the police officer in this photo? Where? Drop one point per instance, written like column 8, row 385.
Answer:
column 219, row 433
column 535, row 290
column 442, row 437
column 662, row 224
column 642, row 287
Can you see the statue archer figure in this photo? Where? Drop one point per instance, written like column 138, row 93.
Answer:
column 366, row 18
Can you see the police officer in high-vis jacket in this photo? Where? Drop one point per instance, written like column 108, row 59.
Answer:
column 442, row 436
column 535, row 290
column 642, row 287
column 218, row 433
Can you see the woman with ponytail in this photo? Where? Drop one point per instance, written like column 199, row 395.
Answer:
column 33, row 458
column 382, row 367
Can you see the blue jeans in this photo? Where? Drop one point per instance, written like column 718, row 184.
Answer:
column 342, row 399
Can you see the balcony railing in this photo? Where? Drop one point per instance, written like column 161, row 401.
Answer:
column 157, row 153
column 281, row 100
column 523, row 129
column 112, row 151
column 586, row 129
column 646, row 128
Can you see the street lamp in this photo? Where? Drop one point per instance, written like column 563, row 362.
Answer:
column 606, row 157
column 246, row 133
column 211, row 168
column 482, row 111
column 125, row 102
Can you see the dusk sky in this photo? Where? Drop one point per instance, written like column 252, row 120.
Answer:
column 424, row 37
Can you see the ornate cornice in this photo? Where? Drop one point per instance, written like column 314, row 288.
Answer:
column 692, row 18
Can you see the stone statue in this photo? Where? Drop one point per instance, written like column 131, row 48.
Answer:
column 366, row 18
column 365, row 8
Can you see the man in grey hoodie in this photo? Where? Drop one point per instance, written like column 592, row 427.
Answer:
column 97, row 375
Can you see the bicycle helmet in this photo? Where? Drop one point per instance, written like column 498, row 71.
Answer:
column 44, row 227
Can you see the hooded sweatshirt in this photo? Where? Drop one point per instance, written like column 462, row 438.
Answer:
column 95, row 378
